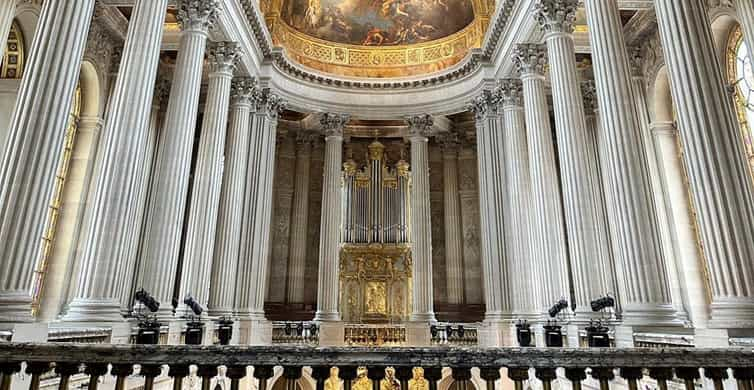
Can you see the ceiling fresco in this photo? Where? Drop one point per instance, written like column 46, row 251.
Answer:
column 378, row 22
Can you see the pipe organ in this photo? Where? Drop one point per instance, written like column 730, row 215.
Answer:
column 375, row 258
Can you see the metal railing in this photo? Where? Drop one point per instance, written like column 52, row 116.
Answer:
column 682, row 365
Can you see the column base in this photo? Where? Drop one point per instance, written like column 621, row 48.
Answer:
column 93, row 310
column 496, row 334
column 573, row 339
column 539, row 335
column 15, row 307
column 423, row 317
column 418, row 334
column 624, row 336
column 652, row 315
column 332, row 334
column 327, row 316
column 732, row 313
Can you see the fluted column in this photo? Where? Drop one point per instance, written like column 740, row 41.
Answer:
column 586, row 246
column 106, row 266
column 421, row 224
column 230, row 216
column 492, row 207
column 721, row 187
column 32, row 150
column 254, row 259
column 329, row 246
column 205, row 195
column 745, row 11
column 300, row 220
column 7, row 12
column 547, row 228
column 526, row 270
column 159, row 261
column 452, row 218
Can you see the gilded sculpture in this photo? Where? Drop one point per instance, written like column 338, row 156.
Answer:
column 418, row 382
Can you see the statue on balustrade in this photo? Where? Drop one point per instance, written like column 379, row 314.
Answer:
column 418, row 382
column 390, row 383
column 333, row 382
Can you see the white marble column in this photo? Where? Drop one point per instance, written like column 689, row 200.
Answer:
column 159, row 262
column 299, row 220
column 205, row 194
column 330, row 230
column 452, row 218
column 526, row 271
column 644, row 286
column 492, row 207
column 547, row 239
column 745, row 11
column 106, row 268
column 587, row 248
column 230, row 216
column 420, row 127
column 32, row 150
column 7, row 13
column 721, row 188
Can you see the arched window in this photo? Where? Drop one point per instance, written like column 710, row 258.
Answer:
column 741, row 76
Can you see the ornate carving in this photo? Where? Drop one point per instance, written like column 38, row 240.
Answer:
column 242, row 90
column 511, row 92
column 530, row 58
column 265, row 101
column 198, row 15
column 161, row 92
column 333, row 124
column 420, row 125
column 223, row 56
column 556, row 16
column 589, row 91
column 484, row 105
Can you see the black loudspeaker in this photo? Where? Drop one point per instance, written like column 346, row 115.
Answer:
column 194, row 333
column 597, row 336
column 553, row 336
column 149, row 332
column 523, row 334
column 225, row 331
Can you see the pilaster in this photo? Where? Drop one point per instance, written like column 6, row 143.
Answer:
column 452, row 218
column 300, row 220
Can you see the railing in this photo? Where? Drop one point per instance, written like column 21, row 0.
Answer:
column 688, row 365
column 373, row 335
column 454, row 335
column 295, row 333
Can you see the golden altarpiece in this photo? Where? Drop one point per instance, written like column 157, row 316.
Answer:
column 375, row 256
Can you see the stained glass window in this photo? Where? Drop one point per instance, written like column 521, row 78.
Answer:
column 741, row 76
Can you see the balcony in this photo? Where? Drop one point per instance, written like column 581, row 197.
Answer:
column 496, row 368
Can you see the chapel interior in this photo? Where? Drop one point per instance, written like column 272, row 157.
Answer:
column 377, row 194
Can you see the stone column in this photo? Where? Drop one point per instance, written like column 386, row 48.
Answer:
column 159, row 262
column 745, row 11
column 526, row 270
column 106, row 265
column 329, row 246
column 645, row 290
column 205, row 195
column 421, row 225
column 300, row 220
column 257, row 217
column 492, row 208
column 230, row 216
column 721, row 188
column 586, row 246
column 452, row 214
column 548, row 242
column 32, row 150
column 7, row 13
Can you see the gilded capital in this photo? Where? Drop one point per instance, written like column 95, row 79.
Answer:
column 242, row 90
column 589, row 92
column 198, row 15
column 556, row 16
column 223, row 56
column 333, row 124
column 420, row 125
column 530, row 58
column 511, row 92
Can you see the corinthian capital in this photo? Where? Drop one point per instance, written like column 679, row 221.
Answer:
column 223, row 56
column 511, row 92
column 198, row 15
column 420, row 125
column 556, row 16
column 484, row 105
column 266, row 102
column 333, row 124
column 530, row 58
column 242, row 90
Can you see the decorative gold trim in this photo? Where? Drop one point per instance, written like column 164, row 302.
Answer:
column 13, row 60
column 383, row 61
column 735, row 41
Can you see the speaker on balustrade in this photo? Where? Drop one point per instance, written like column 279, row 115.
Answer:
column 149, row 327
column 225, row 330
column 523, row 333
column 553, row 331
column 194, row 328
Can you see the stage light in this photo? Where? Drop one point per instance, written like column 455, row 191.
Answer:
column 147, row 300
column 195, row 306
column 558, row 307
column 597, row 335
column 225, row 330
column 603, row 303
column 149, row 327
column 523, row 333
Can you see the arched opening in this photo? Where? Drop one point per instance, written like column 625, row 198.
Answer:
column 14, row 59
column 741, row 78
